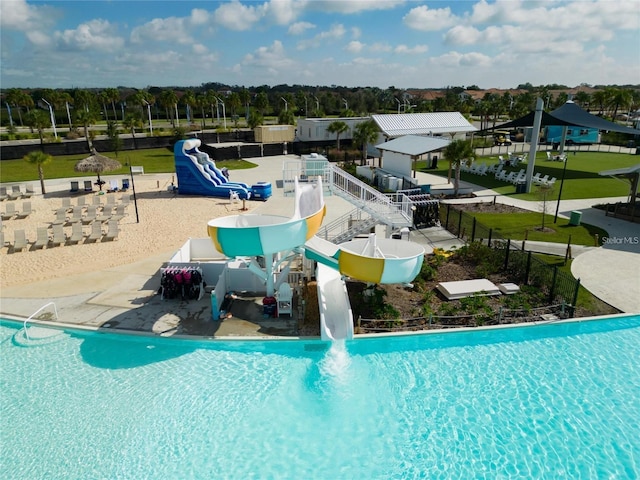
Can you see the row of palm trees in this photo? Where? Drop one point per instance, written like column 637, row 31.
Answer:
column 83, row 108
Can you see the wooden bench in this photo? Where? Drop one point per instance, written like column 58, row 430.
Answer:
column 137, row 169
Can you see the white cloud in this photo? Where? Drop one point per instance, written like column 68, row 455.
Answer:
column 236, row 16
column 425, row 19
column 283, row 12
column 171, row 29
column 456, row 59
column 21, row 16
column 416, row 49
column 353, row 6
column 380, row 47
column 336, row 32
column 354, row 46
column 199, row 49
column 299, row 28
column 199, row 16
column 273, row 58
column 93, row 35
column 356, row 32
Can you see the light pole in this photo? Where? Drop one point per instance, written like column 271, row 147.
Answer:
column 224, row 112
column 53, row 118
column 346, row 104
column 317, row 104
column 69, row 114
column 286, row 104
column 398, row 104
column 149, row 113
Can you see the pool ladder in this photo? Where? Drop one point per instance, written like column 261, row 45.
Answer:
column 26, row 330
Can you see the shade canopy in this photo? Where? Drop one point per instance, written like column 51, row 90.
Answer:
column 97, row 163
column 570, row 115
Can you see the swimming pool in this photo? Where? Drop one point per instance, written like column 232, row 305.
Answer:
column 555, row 401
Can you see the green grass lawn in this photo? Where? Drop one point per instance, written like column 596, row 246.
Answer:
column 516, row 226
column 581, row 177
column 156, row 160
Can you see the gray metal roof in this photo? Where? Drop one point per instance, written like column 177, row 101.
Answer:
column 395, row 125
column 621, row 171
column 413, row 145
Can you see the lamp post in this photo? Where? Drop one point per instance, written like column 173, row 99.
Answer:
column 398, row 104
column 317, row 104
column 286, row 104
column 53, row 118
column 149, row 113
column 346, row 104
column 224, row 112
column 69, row 114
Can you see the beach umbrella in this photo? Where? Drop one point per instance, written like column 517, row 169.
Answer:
column 97, row 163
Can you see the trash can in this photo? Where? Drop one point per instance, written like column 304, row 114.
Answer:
column 521, row 187
column 575, row 218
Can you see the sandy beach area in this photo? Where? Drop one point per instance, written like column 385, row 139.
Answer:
column 165, row 222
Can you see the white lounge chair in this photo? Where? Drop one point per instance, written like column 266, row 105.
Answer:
column 96, row 232
column 90, row 216
column 61, row 217
column 29, row 191
column 15, row 192
column 112, row 232
column 26, row 210
column 20, row 241
column 76, row 233
column 9, row 211
column 120, row 212
column 285, row 299
column 76, row 215
column 58, row 235
column 42, row 238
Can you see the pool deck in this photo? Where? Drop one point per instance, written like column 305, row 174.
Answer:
column 125, row 297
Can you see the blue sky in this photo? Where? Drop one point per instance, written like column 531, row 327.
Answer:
column 381, row 43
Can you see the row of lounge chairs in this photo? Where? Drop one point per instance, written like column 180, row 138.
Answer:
column 546, row 181
column 57, row 237
column 88, row 186
column 511, row 177
column 16, row 192
column 91, row 215
column 10, row 211
column 557, row 158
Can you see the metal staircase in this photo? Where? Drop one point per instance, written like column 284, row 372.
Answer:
column 373, row 207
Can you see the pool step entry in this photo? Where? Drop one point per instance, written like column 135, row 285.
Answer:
column 37, row 334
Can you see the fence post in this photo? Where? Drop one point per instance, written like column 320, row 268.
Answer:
column 506, row 254
column 567, row 254
column 528, row 269
column 552, row 290
column 473, row 230
column 446, row 223
column 459, row 223
column 575, row 297
column 490, row 233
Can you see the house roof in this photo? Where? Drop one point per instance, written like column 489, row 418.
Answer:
column 413, row 145
column 395, row 125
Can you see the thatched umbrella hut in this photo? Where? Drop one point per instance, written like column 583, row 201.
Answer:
column 97, row 163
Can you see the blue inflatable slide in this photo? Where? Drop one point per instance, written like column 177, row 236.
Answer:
column 198, row 175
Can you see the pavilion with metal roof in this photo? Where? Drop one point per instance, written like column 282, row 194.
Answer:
column 399, row 156
column 432, row 124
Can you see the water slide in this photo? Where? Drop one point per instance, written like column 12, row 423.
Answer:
column 198, row 174
column 370, row 260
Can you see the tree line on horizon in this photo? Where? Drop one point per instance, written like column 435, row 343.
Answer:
column 134, row 108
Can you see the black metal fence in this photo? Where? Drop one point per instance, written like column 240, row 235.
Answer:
column 522, row 265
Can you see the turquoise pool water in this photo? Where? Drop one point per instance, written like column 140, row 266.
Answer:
column 556, row 401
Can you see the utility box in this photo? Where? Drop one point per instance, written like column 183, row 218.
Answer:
column 575, row 218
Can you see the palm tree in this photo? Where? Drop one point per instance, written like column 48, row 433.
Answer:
column 38, row 158
column 599, row 97
column 168, row 99
column 189, row 100
column 39, row 120
column 620, row 97
column 131, row 122
column 262, row 102
column 255, row 119
column 112, row 95
column 338, row 127
column 85, row 117
column 455, row 152
column 245, row 98
column 364, row 134
column 202, row 101
column 286, row 117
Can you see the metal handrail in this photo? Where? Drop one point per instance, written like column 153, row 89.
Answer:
column 55, row 310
